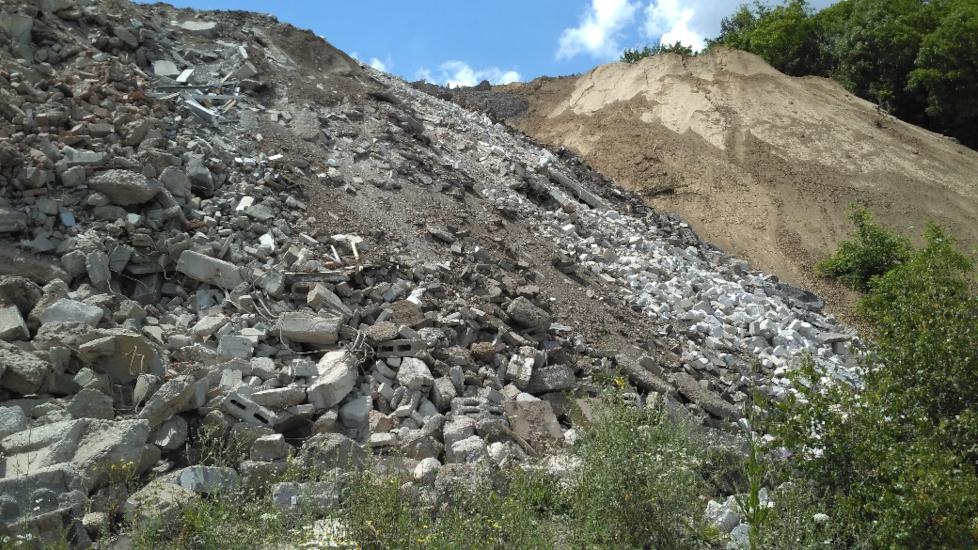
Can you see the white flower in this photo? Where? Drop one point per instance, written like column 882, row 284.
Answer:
column 820, row 518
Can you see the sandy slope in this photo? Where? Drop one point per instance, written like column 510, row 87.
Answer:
column 761, row 163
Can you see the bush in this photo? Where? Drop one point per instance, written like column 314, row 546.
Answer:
column 632, row 56
column 874, row 251
column 897, row 455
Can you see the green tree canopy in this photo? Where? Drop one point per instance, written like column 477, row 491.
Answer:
column 917, row 59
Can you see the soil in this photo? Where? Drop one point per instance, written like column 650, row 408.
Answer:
column 761, row 164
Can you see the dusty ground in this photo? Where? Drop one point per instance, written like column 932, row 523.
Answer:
column 762, row 164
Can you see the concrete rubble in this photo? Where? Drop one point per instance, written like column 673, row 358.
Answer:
column 172, row 260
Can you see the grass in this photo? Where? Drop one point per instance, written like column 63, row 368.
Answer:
column 634, row 480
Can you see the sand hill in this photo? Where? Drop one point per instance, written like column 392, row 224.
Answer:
column 760, row 163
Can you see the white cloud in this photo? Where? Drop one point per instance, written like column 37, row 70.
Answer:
column 669, row 21
column 458, row 73
column 376, row 63
column 599, row 30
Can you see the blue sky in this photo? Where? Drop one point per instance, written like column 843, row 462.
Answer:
column 463, row 42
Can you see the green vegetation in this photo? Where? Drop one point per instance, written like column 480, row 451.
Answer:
column 896, row 457
column 918, row 60
column 632, row 56
column 875, row 250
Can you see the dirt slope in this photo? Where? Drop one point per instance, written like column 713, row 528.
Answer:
column 760, row 163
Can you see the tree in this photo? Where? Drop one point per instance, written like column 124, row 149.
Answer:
column 947, row 72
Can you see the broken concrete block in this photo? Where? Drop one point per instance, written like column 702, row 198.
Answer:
column 415, row 375
column 21, row 372
column 308, row 329
column 158, row 504
column 235, row 346
column 12, row 420
column 97, row 266
column 520, row 371
column 12, row 221
column 89, row 403
column 268, row 448
column 246, row 410
column 45, row 504
column 279, row 399
column 122, row 355
column 209, row 270
column 355, row 412
column 70, row 311
column 246, row 71
column 326, row 451
column 534, row 421
column 125, row 188
column 321, row 298
column 171, row 435
column 168, row 400
column 12, row 325
column 14, row 261
column 338, row 374
column 206, row 480
column 524, row 312
column 551, row 378
column 108, row 443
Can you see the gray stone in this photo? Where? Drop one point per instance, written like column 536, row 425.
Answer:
column 415, row 375
column 168, row 400
column 709, row 401
column 522, row 311
column 45, row 503
column 355, row 412
column 108, row 443
column 97, row 265
column 442, row 393
column 206, row 29
column 337, row 376
column 551, row 378
column 206, row 480
column 175, row 181
column 16, row 26
column 321, row 298
column 21, row 372
column 12, row 325
column 165, row 67
column 209, row 270
column 70, row 311
column 280, row 398
column 268, row 448
column 158, row 504
column 17, row 262
column 469, row 450
column 534, row 421
column 235, row 346
column 246, row 71
column 12, row 420
column 74, row 176
column 121, row 354
column 89, row 403
column 125, row 188
column 12, row 221
column 172, row 434
column 324, row 452
column 308, row 329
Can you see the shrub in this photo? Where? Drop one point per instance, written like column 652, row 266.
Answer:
column 897, row 454
column 632, row 56
column 874, row 251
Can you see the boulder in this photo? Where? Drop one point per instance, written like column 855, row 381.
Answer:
column 125, row 188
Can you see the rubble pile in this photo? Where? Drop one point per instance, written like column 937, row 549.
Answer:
column 203, row 235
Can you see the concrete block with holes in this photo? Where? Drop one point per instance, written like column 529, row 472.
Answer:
column 246, row 410
column 401, row 348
